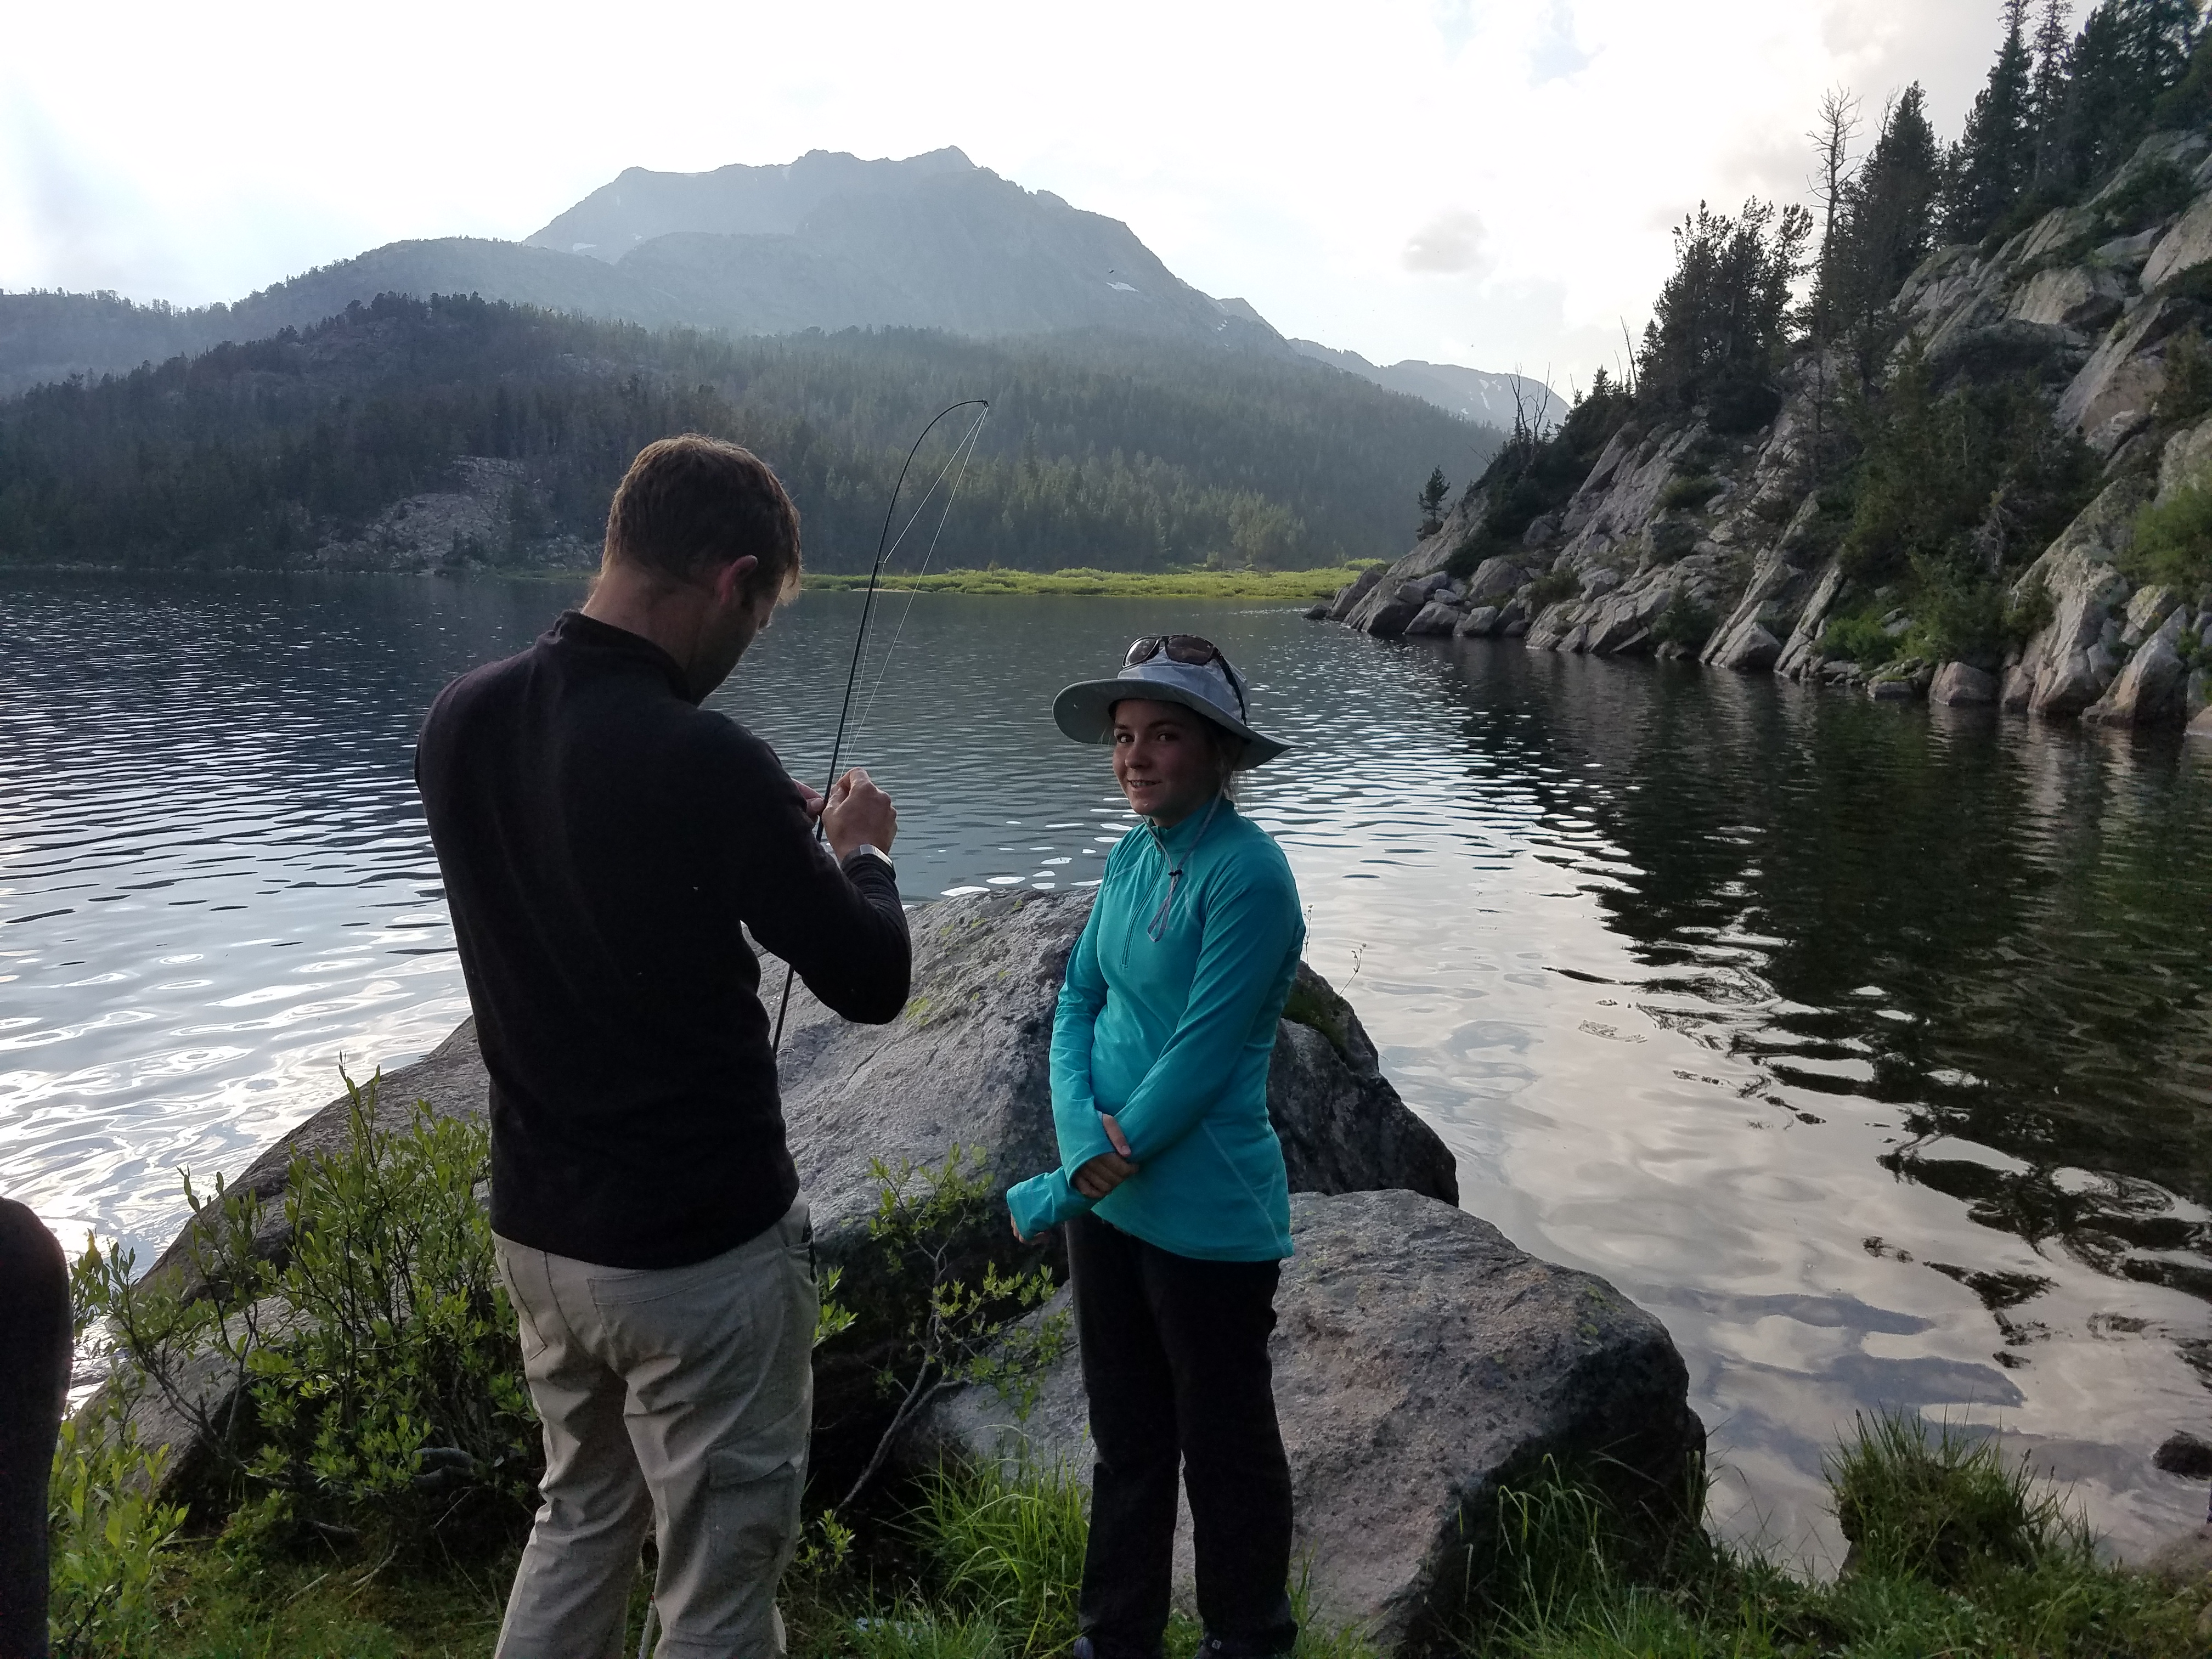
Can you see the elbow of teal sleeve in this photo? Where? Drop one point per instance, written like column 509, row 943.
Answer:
column 1043, row 1201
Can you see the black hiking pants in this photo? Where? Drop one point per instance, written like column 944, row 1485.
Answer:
column 1175, row 1359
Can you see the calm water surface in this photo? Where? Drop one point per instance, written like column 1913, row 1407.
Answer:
column 1870, row 1047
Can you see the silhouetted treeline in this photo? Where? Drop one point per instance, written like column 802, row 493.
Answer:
column 1099, row 452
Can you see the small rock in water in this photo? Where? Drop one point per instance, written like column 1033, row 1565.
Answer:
column 2185, row 1455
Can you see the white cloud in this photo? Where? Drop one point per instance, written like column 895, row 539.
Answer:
column 1294, row 153
column 1452, row 242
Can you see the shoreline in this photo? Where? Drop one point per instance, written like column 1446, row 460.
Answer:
column 1285, row 586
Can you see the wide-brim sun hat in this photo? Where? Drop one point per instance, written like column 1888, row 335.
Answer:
column 1085, row 711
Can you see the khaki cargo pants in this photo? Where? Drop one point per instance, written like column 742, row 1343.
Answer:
column 679, row 1397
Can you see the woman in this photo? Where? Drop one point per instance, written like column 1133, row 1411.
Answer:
column 1172, row 1182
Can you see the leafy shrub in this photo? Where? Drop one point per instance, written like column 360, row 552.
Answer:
column 107, row 1534
column 376, row 1378
column 1860, row 639
column 1692, row 492
column 945, row 1326
column 2172, row 541
column 2029, row 613
column 2187, row 392
column 2157, row 192
column 1550, row 587
column 1958, row 616
column 1684, row 622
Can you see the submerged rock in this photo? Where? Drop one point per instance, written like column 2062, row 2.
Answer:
column 1422, row 1362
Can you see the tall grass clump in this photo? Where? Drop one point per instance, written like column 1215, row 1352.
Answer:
column 1956, row 1549
column 1007, row 1552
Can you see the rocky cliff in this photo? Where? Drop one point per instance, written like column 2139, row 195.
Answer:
column 1682, row 540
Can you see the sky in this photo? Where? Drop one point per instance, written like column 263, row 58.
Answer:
column 1485, row 182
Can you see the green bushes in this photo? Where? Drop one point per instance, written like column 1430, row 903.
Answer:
column 1550, row 588
column 2172, row 542
column 109, row 1537
column 1692, row 492
column 371, row 1387
column 1685, row 623
column 1861, row 639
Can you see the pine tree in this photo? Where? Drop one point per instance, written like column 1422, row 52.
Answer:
column 1991, row 162
column 1888, row 228
column 1432, row 501
column 2048, row 97
column 2128, row 54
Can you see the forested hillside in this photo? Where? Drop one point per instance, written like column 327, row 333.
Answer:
column 336, row 445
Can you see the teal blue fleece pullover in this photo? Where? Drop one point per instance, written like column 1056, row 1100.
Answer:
column 1172, row 1034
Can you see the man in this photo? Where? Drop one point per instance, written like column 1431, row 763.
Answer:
column 602, row 837
column 34, row 1371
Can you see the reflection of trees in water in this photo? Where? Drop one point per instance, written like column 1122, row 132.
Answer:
column 2000, row 929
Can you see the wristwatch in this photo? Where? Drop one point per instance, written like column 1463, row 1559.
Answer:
column 865, row 850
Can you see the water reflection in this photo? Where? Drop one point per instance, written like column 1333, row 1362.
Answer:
column 1867, row 1045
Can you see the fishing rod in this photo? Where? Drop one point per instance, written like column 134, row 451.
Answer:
column 885, row 548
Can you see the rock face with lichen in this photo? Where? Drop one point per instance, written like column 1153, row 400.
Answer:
column 1422, row 1364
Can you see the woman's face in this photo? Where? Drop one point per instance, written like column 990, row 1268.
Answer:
column 1165, row 759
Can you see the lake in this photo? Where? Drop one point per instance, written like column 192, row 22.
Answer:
column 1870, row 1046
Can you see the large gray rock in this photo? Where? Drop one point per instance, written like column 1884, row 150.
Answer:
column 1479, row 623
column 1349, row 596
column 1436, row 618
column 1750, row 650
column 967, row 1063
column 1494, row 578
column 2068, row 659
column 2151, row 691
column 970, row 1061
column 2188, row 243
column 1389, row 620
column 1422, row 1362
column 1959, row 683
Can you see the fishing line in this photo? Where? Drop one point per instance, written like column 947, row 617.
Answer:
column 885, row 548
column 964, row 453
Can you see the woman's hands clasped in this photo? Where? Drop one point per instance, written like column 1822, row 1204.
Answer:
column 1103, row 1173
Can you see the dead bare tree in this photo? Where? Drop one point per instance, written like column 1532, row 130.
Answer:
column 1835, row 125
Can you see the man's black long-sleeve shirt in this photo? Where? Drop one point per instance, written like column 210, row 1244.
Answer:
column 602, row 838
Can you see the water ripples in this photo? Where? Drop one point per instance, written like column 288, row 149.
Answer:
column 1869, row 1047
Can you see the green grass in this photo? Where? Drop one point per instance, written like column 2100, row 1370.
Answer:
column 1956, row 1549
column 1307, row 585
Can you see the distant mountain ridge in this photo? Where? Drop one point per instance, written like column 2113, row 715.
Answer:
column 828, row 241
column 1470, row 393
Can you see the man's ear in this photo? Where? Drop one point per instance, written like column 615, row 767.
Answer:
column 731, row 579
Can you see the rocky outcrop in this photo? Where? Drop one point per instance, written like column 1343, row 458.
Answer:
column 1683, row 539
column 1422, row 1363
column 487, row 517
